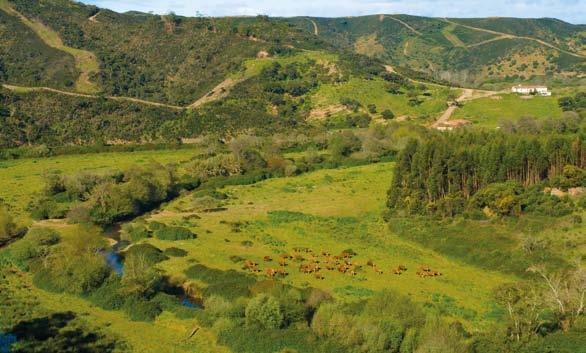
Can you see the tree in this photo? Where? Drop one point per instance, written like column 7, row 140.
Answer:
column 264, row 311
column 76, row 264
column 343, row 144
column 139, row 277
column 372, row 108
column 566, row 292
column 524, row 309
column 436, row 336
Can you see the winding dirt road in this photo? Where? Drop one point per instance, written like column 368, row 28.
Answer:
column 502, row 35
column 91, row 96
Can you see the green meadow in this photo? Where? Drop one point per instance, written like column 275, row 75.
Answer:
column 489, row 112
column 327, row 210
column 375, row 92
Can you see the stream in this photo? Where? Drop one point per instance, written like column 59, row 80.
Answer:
column 116, row 262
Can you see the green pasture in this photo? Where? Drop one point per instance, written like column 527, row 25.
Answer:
column 489, row 112
column 327, row 210
column 374, row 92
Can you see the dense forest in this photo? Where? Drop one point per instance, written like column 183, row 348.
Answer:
column 445, row 173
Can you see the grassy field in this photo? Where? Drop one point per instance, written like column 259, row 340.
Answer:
column 489, row 112
column 328, row 210
column 253, row 67
column 86, row 62
column 374, row 92
column 20, row 179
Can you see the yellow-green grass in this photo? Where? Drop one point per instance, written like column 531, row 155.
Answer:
column 86, row 62
column 489, row 112
column 374, row 92
column 254, row 67
column 340, row 209
column 21, row 179
column 166, row 334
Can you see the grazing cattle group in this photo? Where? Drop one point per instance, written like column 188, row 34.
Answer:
column 426, row 271
column 316, row 264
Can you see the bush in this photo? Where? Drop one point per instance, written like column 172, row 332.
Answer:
column 35, row 244
column 110, row 296
column 47, row 209
column 264, row 311
column 221, row 165
column 24, row 250
column 343, row 144
column 7, row 225
column 388, row 115
column 43, row 236
column 175, row 252
column 218, row 306
column 135, row 232
column 139, row 309
column 174, row 233
column 151, row 254
column 154, row 225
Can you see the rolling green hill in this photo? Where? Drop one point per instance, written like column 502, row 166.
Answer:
column 68, row 67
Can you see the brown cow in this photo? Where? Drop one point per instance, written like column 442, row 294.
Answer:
column 267, row 258
column 271, row 272
column 281, row 272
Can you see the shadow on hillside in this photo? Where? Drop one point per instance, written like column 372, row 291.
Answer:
column 59, row 332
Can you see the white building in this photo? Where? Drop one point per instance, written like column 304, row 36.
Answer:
column 538, row 90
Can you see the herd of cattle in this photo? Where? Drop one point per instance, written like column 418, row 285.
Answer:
column 316, row 264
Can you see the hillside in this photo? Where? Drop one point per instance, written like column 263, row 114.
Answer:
column 468, row 52
column 187, row 57
column 73, row 73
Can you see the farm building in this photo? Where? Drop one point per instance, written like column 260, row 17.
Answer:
column 538, row 90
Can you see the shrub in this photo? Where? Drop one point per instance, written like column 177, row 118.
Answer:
column 175, row 252
column 264, row 311
column 151, row 254
column 154, row 225
column 174, row 233
column 229, row 284
column 139, row 309
column 47, row 209
column 7, row 225
column 35, row 244
column 135, row 232
column 218, row 306
column 110, row 296
column 221, row 165
column 43, row 236
column 24, row 250
column 343, row 144
column 388, row 115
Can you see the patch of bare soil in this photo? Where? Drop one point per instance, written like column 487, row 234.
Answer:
column 322, row 113
column 220, row 91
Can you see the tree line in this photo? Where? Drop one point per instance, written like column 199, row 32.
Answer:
column 445, row 171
